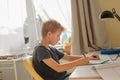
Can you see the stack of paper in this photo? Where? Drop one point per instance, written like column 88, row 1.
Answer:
column 109, row 71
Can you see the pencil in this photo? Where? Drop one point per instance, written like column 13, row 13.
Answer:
column 104, row 62
column 84, row 55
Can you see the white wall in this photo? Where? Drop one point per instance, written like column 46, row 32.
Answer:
column 112, row 26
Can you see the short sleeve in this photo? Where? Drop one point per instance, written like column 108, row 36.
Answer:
column 59, row 54
column 42, row 53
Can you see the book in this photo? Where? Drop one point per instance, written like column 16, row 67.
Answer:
column 11, row 56
column 109, row 71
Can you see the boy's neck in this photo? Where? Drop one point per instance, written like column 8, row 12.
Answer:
column 45, row 43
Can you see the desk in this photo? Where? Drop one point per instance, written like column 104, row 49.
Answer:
column 87, row 72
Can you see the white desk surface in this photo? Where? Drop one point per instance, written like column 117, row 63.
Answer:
column 87, row 72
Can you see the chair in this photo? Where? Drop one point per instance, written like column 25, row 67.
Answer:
column 27, row 62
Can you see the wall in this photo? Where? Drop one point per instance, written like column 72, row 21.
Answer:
column 112, row 26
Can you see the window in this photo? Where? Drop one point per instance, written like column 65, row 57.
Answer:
column 12, row 17
column 59, row 10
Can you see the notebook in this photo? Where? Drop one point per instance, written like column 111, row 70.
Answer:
column 95, row 62
column 109, row 71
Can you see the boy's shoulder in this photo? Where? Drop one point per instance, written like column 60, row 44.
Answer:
column 39, row 46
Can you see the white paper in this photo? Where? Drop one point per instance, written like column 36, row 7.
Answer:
column 109, row 71
column 94, row 62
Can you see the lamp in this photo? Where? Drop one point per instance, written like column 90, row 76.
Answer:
column 109, row 14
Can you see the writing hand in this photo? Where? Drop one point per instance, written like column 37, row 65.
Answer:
column 94, row 57
column 85, row 60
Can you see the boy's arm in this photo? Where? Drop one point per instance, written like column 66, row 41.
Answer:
column 71, row 57
column 63, row 67
column 74, row 57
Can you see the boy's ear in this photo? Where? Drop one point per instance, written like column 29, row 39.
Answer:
column 49, row 34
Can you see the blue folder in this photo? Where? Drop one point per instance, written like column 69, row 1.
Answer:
column 110, row 51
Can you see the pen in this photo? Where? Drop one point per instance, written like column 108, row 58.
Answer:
column 104, row 61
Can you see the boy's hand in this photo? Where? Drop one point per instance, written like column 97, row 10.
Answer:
column 85, row 60
column 94, row 57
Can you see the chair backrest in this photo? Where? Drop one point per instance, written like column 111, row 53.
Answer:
column 27, row 62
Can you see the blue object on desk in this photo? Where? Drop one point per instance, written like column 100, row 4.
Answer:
column 110, row 51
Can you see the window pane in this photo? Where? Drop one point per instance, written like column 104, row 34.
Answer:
column 12, row 17
column 59, row 10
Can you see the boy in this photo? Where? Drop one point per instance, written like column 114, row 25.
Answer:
column 46, row 59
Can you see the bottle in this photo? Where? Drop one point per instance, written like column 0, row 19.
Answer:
column 68, row 48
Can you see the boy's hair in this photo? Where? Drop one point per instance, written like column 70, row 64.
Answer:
column 51, row 26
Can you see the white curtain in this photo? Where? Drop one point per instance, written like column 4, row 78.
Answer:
column 59, row 10
column 12, row 17
column 31, row 27
column 88, row 30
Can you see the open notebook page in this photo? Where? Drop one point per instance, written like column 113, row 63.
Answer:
column 94, row 62
column 109, row 71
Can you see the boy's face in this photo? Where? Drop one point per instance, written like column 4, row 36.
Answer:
column 54, row 37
